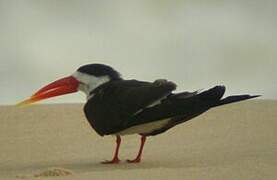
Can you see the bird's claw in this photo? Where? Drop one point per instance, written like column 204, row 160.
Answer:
column 137, row 160
column 114, row 161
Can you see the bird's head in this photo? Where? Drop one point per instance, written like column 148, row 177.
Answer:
column 85, row 79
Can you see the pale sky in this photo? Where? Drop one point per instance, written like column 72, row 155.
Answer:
column 195, row 43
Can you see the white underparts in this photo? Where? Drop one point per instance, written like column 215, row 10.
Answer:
column 144, row 128
column 89, row 82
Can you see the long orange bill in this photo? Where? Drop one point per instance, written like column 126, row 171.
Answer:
column 60, row 87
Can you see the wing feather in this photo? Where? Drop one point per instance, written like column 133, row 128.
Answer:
column 114, row 104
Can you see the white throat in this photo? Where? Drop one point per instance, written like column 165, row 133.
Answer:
column 89, row 82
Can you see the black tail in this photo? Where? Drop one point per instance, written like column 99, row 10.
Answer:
column 215, row 94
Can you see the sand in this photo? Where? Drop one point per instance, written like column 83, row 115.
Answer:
column 237, row 141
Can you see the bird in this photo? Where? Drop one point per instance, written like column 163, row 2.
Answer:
column 118, row 107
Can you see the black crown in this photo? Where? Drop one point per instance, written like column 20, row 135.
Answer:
column 99, row 70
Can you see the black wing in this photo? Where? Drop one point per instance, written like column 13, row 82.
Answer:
column 182, row 107
column 114, row 103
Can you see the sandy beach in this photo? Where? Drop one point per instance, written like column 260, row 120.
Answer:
column 237, row 141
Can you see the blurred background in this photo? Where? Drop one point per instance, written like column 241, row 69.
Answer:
column 195, row 43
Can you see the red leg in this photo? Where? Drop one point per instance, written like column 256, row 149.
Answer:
column 115, row 159
column 138, row 158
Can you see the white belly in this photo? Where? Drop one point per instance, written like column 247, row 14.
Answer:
column 144, row 128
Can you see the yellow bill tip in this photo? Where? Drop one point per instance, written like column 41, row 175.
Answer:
column 25, row 103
